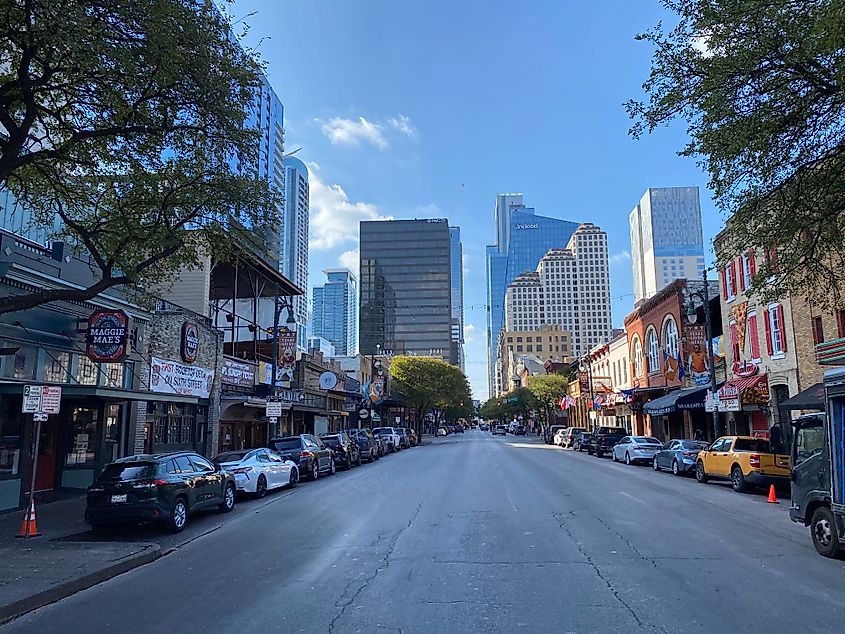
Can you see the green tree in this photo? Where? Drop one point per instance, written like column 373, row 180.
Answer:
column 761, row 86
column 126, row 124
column 548, row 389
column 428, row 384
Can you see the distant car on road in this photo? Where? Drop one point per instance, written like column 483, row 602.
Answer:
column 582, row 441
column 500, row 430
column 633, row 449
column 166, row 488
column 441, row 431
column 412, row 437
column 346, row 452
column 458, row 429
column 519, row 431
column 678, row 455
column 257, row 471
column 308, row 452
column 391, row 436
column 550, row 433
column 368, row 446
column 569, row 436
column 559, row 436
column 484, row 427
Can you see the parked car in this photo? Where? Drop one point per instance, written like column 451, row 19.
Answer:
column 550, row 433
column 166, row 488
column 500, row 429
column 381, row 444
column 633, row 449
column 257, row 471
column 458, row 429
column 569, row 436
column 559, row 436
column 603, row 438
column 745, row 460
column 391, row 436
column 308, row 452
column 404, row 441
column 441, row 431
column 520, row 430
column 368, row 446
column 582, row 441
column 346, row 452
column 484, row 427
column 678, row 455
column 412, row 436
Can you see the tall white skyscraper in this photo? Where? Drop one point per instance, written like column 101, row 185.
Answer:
column 571, row 288
column 293, row 260
column 666, row 239
column 456, row 267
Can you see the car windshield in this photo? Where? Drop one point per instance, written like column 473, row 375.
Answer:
column 757, row 445
column 331, row 441
column 287, row 443
column 128, row 471
column 645, row 440
column 613, row 431
column 694, row 445
column 230, row 456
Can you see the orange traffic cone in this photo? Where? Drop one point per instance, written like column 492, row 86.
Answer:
column 773, row 499
column 29, row 527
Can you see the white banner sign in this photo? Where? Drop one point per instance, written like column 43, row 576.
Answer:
column 169, row 377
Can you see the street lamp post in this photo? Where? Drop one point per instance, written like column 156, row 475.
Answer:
column 278, row 305
column 372, row 380
column 692, row 317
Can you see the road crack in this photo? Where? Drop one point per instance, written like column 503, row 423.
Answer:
column 383, row 564
column 626, row 541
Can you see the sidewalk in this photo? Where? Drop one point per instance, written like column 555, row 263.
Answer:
column 42, row 570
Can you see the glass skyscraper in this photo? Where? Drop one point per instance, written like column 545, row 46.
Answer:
column 406, row 288
column 522, row 238
column 336, row 311
column 457, row 282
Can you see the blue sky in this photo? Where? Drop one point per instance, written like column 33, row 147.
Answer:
column 429, row 109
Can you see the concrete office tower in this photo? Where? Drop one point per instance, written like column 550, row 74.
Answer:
column 666, row 239
column 570, row 288
column 293, row 261
column 522, row 238
column 457, row 280
column 335, row 311
column 406, row 291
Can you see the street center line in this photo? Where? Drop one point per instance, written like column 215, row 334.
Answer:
column 628, row 495
column 513, row 506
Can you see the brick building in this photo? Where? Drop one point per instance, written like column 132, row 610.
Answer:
column 814, row 327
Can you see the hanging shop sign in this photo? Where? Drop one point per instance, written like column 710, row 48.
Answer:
column 107, row 336
column 729, row 399
column 190, row 342
column 237, row 373
column 745, row 368
column 169, row 377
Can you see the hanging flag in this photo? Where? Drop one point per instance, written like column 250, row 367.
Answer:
column 563, row 402
column 671, row 367
column 597, row 402
column 681, row 372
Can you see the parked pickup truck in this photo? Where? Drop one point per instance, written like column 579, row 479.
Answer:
column 745, row 460
column 603, row 438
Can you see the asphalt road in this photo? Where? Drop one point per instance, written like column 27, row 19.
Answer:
column 474, row 533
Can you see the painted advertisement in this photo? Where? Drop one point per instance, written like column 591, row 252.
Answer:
column 170, row 377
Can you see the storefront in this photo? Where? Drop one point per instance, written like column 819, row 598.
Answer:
column 745, row 400
column 678, row 414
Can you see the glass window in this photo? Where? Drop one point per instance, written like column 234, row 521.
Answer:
column 83, row 437
column 56, row 367
column 112, row 374
column 202, row 464
column 653, row 352
column 809, row 442
column 670, row 338
column 183, row 465
column 86, row 371
column 21, row 365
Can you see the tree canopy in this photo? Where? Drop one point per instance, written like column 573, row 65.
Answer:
column 519, row 402
column 426, row 383
column 548, row 390
column 130, row 127
column 761, row 86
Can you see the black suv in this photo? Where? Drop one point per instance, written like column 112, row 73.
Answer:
column 603, row 438
column 346, row 452
column 308, row 451
column 158, row 488
column 368, row 446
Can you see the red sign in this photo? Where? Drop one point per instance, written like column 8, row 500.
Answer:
column 745, row 368
column 190, row 342
column 107, row 336
column 287, row 348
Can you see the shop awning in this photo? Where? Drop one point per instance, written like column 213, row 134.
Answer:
column 106, row 393
column 688, row 398
column 748, row 389
column 811, row 398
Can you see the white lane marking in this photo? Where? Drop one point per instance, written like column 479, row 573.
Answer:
column 628, row 495
column 510, row 499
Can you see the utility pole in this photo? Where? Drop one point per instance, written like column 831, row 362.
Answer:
column 711, row 360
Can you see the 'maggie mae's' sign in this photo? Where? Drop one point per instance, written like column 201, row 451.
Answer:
column 190, row 342
column 107, row 336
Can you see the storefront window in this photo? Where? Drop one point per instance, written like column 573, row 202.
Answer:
column 173, row 423
column 21, row 364
column 83, row 437
column 11, row 429
column 86, row 372
column 112, row 432
column 112, row 374
column 56, row 367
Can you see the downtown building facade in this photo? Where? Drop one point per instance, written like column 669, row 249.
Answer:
column 406, row 288
column 522, row 239
column 335, row 311
column 457, row 281
column 667, row 242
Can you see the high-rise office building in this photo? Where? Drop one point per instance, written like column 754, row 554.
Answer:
column 335, row 311
column 293, row 256
column 666, row 239
column 522, row 238
column 457, row 281
column 570, row 288
column 406, row 291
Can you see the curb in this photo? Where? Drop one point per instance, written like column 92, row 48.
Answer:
column 28, row 604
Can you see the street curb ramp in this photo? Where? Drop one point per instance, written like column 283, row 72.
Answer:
column 61, row 591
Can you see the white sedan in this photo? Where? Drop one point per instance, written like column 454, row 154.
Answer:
column 257, row 471
column 560, row 437
column 633, row 449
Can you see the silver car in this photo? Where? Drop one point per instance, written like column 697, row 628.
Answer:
column 633, row 449
column 678, row 455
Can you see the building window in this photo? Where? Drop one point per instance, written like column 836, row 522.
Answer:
column 637, row 354
column 670, row 338
column 840, row 323
column 775, row 339
column 653, row 352
column 753, row 337
column 818, row 330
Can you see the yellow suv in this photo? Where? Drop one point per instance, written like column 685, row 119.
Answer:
column 745, row 460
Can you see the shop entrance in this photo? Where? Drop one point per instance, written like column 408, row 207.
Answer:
column 45, row 476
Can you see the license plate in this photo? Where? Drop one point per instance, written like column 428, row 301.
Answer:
column 116, row 499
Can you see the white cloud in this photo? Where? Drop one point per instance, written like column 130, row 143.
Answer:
column 350, row 259
column 334, row 218
column 470, row 332
column 622, row 256
column 342, row 131
column 403, row 124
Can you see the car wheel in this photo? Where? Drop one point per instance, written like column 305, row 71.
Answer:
column 823, row 530
column 315, row 470
column 599, row 454
column 738, row 480
column 332, row 468
column 294, row 479
column 228, row 502
column 627, row 458
column 589, row 451
column 655, row 465
column 178, row 516
column 261, row 486
column 700, row 474
column 676, row 468
column 358, row 462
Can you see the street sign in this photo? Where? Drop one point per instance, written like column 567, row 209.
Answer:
column 363, row 414
column 31, row 399
column 41, row 398
column 511, row 399
column 39, row 417
column 273, row 409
